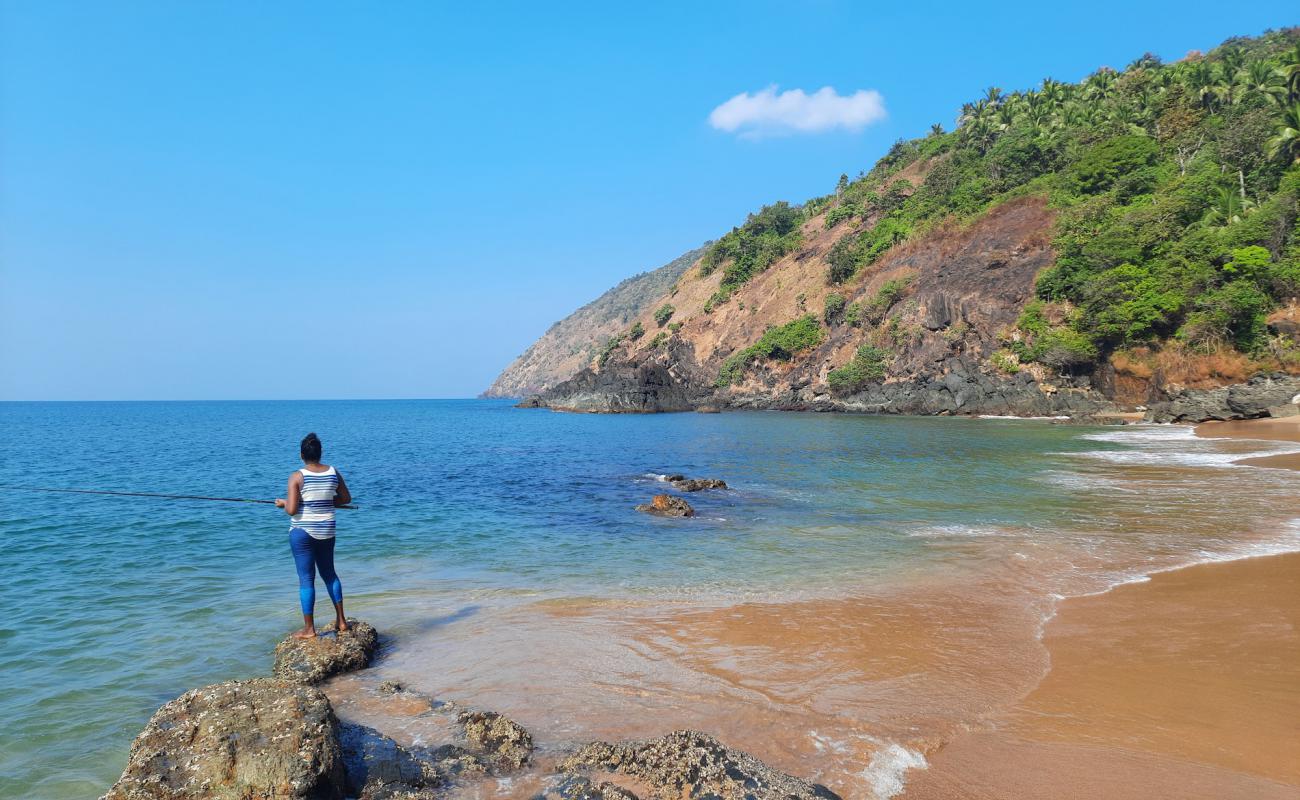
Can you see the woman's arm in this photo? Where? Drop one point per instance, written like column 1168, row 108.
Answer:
column 341, row 495
column 292, row 499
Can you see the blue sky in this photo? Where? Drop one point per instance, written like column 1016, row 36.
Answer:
column 212, row 200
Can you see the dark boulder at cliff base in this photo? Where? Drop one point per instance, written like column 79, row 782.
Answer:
column 1262, row 395
column 330, row 653
column 665, row 505
column 242, row 740
column 690, row 764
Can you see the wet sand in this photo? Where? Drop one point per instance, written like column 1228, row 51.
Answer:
column 1187, row 685
column 1184, row 686
column 1285, row 429
column 847, row 692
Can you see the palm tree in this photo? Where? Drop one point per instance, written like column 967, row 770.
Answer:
column 1098, row 84
column 936, row 129
column 1258, row 78
column 1006, row 117
column 1286, row 144
column 1231, row 60
column 1289, row 72
column 967, row 114
column 993, row 95
column 1226, row 209
column 1147, row 61
column 1201, row 80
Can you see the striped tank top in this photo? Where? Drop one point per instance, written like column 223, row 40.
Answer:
column 316, row 516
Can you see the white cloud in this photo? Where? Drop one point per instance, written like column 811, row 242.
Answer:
column 769, row 112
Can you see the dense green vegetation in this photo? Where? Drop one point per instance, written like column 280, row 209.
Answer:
column 664, row 313
column 867, row 366
column 780, row 342
column 1176, row 185
column 751, row 248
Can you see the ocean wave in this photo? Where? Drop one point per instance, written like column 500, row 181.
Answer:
column 1151, row 445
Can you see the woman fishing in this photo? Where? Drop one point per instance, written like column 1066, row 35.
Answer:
column 314, row 491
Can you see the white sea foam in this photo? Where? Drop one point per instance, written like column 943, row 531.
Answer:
column 887, row 768
column 1176, row 446
column 942, row 531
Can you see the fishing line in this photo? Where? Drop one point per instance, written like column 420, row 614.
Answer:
column 144, row 494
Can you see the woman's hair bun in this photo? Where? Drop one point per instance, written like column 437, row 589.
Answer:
column 310, row 447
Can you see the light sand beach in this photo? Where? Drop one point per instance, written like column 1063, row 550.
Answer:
column 1186, row 685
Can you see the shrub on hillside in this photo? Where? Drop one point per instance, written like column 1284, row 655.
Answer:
column 1127, row 305
column 780, row 343
column 835, row 304
column 663, row 314
column 867, row 367
column 1234, row 313
column 751, row 248
column 1123, row 158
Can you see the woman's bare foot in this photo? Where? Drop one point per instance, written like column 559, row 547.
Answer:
column 305, row 633
column 341, row 625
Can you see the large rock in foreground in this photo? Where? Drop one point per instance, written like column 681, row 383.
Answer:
column 313, row 660
column 242, row 740
column 695, row 766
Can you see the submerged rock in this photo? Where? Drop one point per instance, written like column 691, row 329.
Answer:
column 379, row 768
column 665, row 505
column 313, row 660
column 697, row 484
column 242, row 740
column 502, row 741
column 577, row 787
column 694, row 765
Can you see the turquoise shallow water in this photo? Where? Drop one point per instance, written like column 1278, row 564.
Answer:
column 118, row 605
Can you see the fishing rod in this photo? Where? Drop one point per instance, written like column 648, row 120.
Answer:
column 145, row 494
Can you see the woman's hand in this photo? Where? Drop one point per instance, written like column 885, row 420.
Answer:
column 279, row 502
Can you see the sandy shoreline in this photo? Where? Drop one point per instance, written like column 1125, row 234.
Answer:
column 1286, row 429
column 1186, row 685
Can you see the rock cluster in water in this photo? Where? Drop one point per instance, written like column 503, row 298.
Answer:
column 666, row 505
column 279, row 738
column 684, row 484
column 690, row 764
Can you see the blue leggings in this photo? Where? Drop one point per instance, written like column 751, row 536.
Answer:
column 310, row 555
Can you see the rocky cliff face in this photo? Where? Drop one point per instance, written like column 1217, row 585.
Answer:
column 570, row 344
column 964, row 288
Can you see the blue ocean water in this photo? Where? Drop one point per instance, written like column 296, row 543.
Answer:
column 120, row 604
